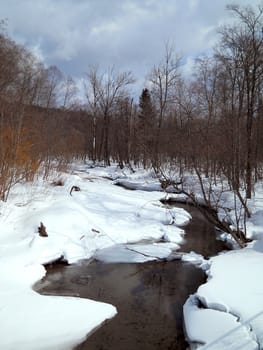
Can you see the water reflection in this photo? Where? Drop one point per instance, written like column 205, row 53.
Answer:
column 149, row 299
column 201, row 236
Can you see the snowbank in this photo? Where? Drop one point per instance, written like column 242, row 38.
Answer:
column 230, row 314
column 217, row 329
column 31, row 321
column 97, row 221
column 108, row 222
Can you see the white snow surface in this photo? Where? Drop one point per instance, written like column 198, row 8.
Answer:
column 101, row 220
column 136, row 252
column 219, row 330
column 231, row 312
column 117, row 225
column 196, row 259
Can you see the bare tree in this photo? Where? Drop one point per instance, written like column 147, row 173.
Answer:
column 206, row 74
column 163, row 79
column 104, row 91
column 68, row 92
column 52, row 82
column 92, row 94
column 241, row 50
column 120, row 136
column 9, row 64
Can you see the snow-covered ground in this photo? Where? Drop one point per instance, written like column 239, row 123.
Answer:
column 227, row 311
column 113, row 224
column 101, row 220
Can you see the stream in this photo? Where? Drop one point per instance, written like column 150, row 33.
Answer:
column 149, row 296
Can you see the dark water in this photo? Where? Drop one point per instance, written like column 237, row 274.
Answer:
column 201, row 236
column 149, row 296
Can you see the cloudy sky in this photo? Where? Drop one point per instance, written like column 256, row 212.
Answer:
column 131, row 34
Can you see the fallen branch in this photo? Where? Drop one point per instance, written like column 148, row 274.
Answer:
column 74, row 188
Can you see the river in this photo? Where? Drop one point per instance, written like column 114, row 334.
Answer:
column 149, row 297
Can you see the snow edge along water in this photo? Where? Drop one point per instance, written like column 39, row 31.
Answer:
column 78, row 227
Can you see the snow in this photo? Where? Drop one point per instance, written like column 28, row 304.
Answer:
column 231, row 312
column 112, row 224
column 234, row 287
column 130, row 253
column 32, row 321
column 143, row 186
column 218, row 329
column 196, row 259
column 102, row 220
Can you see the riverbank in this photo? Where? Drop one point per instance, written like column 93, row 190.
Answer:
column 227, row 311
column 97, row 217
column 149, row 297
column 78, row 226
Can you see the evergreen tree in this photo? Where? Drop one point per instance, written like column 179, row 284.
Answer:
column 145, row 132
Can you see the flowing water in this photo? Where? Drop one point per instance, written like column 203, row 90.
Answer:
column 149, row 297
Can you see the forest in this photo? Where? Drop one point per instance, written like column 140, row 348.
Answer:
column 209, row 123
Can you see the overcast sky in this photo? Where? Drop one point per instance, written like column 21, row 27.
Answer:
column 131, row 34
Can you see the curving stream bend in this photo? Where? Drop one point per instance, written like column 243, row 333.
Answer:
column 149, row 296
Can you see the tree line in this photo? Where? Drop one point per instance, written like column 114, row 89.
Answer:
column 210, row 122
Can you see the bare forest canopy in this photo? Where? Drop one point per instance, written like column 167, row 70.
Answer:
column 211, row 122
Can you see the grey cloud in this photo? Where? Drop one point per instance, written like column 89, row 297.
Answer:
column 131, row 34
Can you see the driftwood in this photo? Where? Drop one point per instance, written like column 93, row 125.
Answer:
column 42, row 230
column 165, row 183
column 74, row 188
column 57, row 183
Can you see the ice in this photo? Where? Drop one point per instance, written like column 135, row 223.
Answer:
column 136, row 253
